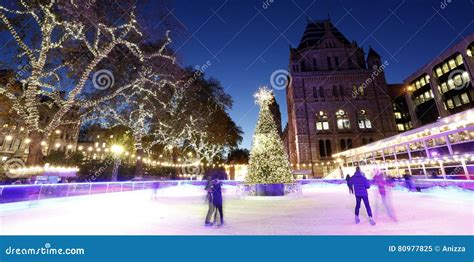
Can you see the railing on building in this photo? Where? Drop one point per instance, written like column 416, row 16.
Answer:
column 445, row 148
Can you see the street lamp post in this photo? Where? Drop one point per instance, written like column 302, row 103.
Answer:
column 117, row 150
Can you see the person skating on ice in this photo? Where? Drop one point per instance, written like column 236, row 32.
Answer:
column 360, row 184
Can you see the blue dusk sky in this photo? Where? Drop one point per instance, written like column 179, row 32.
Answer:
column 246, row 41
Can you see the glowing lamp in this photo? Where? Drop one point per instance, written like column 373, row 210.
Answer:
column 117, row 149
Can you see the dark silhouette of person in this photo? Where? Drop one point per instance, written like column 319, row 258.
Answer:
column 360, row 184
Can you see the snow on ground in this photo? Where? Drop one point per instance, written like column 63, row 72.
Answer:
column 321, row 210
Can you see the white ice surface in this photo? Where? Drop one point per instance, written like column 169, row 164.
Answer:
column 321, row 210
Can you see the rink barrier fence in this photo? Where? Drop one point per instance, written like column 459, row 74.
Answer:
column 19, row 193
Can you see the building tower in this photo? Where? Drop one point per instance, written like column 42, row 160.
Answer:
column 337, row 99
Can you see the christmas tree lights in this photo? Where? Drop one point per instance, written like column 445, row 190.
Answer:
column 268, row 162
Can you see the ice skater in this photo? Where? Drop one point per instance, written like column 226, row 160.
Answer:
column 408, row 180
column 217, row 198
column 360, row 184
column 348, row 181
column 211, row 210
column 384, row 191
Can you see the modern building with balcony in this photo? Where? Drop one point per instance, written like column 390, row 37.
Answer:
column 443, row 86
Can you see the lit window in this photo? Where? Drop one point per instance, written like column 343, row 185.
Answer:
column 465, row 98
column 439, row 72
column 450, row 103
column 452, row 64
column 363, row 121
column 459, row 60
column 343, row 121
column 398, row 115
column 444, row 87
column 465, row 77
column 445, row 68
column 322, row 122
column 422, row 81
column 400, row 127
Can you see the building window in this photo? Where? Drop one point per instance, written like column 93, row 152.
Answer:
column 401, row 127
column 321, row 92
column 465, row 98
column 329, row 63
column 363, row 121
column 334, row 91
column 470, row 50
column 341, row 91
column 398, row 115
column 315, row 64
column 325, row 148
column 315, row 92
column 328, row 148
column 322, row 121
column 336, row 61
column 346, row 144
column 343, row 122
column 302, row 66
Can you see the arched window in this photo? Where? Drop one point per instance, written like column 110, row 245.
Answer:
column 346, row 144
column 328, row 148
column 321, row 92
column 343, row 122
column 334, row 91
column 322, row 148
column 355, row 91
column 363, row 121
column 322, row 121
column 325, row 149
column 341, row 91
column 343, row 144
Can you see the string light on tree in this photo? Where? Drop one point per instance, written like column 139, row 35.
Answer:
column 268, row 163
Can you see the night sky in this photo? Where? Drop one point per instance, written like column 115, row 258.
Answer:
column 246, row 41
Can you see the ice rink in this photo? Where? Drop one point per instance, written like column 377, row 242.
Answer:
column 321, row 210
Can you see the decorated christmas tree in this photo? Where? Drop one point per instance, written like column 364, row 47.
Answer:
column 268, row 162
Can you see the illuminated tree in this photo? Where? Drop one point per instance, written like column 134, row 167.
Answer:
column 268, row 162
column 48, row 57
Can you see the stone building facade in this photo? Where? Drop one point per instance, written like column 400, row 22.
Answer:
column 337, row 99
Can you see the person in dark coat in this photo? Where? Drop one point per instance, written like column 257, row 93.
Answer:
column 217, row 198
column 211, row 210
column 348, row 181
column 408, row 181
column 360, row 184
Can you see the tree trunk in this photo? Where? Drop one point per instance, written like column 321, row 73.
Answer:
column 115, row 169
column 139, row 163
column 35, row 154
column 175, row 156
